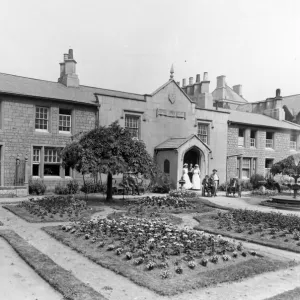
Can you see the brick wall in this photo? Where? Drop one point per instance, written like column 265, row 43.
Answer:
column 18, row 134
column 281, row 147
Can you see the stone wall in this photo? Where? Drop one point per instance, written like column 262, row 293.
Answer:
column 18, row 134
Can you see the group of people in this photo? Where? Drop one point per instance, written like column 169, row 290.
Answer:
column 192, row 177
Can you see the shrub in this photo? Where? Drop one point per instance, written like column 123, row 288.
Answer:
column 254, row 180
column 37, row 187
column 73, row 187
column 247, row 185
column 90, row 186
column 160, row 184
column 61, row 189
column 222, row 187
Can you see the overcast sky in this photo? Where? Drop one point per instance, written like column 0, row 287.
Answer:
column 130, row 45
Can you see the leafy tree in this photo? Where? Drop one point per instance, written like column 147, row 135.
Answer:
column 109, row 150
column 288, row 166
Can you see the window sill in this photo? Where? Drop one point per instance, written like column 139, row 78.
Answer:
column 52, row 177
column 40, row 131
column 272, row 149
column 65, row 132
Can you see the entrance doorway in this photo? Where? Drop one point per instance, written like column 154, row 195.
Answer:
column 192, row 157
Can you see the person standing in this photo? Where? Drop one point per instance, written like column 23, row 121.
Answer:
column 191, row 172
column 196, row 178
column 215, row 178
column 186, row 177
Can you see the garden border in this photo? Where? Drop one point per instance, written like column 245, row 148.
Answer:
column 232, row 236
column 60, row 279
column 290, row 295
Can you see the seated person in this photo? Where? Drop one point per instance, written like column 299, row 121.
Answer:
column 208, row 186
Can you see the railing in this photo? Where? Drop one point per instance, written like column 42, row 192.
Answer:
column 252, row 142
column 269, row 143
column 241, row 141
column 293, row 145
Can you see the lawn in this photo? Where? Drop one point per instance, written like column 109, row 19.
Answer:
column 60, row 279
column 270, row 229
column 157, row 255
column 53, row 209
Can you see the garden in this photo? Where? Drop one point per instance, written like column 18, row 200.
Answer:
column 52, row 209
column 270, row 229
column 156, row 254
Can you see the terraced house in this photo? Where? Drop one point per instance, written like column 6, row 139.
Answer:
column 189, row 124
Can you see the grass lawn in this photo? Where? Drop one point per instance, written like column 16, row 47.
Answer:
column 53, row 209
column 60, row 279
column 267, row 231
column 164, row 278
column 289, row 295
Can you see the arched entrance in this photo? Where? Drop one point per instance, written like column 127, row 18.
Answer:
column 192, row 156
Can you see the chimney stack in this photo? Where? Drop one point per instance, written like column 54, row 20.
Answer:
column 238, row 89
column 191, row 79
column 183, row 82
column 221, row 81
column 68, row 76
column 197, row 78
column 178, row 83
column 205, row 76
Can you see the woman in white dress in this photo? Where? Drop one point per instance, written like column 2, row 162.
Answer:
column 186, row 178
column 196, row 178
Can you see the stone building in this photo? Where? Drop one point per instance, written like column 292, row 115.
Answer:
column 178, row 124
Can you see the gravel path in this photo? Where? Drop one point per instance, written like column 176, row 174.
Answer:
column 117, row 287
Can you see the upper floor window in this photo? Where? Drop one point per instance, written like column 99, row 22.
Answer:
column 41, row 118
column 65, row 120
column 253, row 138
column 293, row 141
column 132, row 123
column 203, row 132
column 269, row 139
column 241, row 138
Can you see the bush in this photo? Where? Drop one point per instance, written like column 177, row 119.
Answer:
column 222, row 187
column 73, row 187
column 161, row 184
column 90, row 186
column 61, row 189
column 247, row 185
column 254, row 180
column 37, row 187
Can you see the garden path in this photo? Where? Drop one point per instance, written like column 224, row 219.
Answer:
column 116, row 287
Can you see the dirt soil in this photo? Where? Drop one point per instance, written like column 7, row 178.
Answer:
column 116, row 287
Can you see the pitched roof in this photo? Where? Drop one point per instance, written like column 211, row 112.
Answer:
column 260, row 120
column 17, row 85
column 176, row 142
column 230, row 95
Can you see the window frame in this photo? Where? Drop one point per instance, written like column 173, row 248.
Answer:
column 253, row 140
column 293, row 143
column 70, row 115
column 138, row 117
column 267, row 170
column 207, row 125
column 268, row 141
column 248, row 167
column 48, row 118
column 241, row 138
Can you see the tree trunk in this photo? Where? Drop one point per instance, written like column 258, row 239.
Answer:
column 109, row 187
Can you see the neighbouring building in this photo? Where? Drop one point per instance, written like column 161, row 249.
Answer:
column 189, row 124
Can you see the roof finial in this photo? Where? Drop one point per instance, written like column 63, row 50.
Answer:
column 172, row 72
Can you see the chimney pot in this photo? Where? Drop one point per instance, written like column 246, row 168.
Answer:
column 178, row 83
column 198, row 78
column 205, row 76
column 221, row 81
column 191, row 79
column 238, row 89
column 70, row 53
column 183, row 82
column 278, row 93
column 66, row 56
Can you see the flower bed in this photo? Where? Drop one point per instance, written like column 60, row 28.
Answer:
column 51, row 209
column 272, row 229
column 158, row 255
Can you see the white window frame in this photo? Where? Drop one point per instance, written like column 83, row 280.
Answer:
column 36, row 159
column 246, row 167
column 202, row 135
column 131, row 128
column 241, row 139
column 267, row 170
column 270, row 142
column 40, row 110
column 63, row 121
column 293, row 142
column 253, row 140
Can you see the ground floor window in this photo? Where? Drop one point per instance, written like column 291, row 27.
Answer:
column 47, row 162
column 268, row 166
column 245, row 167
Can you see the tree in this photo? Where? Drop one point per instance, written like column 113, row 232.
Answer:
column 288, row 166
column 110, row 150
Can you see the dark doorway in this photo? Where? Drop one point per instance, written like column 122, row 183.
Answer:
column 192, row 157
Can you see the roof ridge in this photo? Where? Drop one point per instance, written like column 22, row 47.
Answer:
column 93, row 87
column 7, row 74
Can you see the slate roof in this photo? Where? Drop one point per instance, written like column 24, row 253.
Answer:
column 176, row 142
column 230, row 94
column 260, row 120
column 17, row 85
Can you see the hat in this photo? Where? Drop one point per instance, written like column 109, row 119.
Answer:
column 215, row 170
column 196, row 165
column 185, row 164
